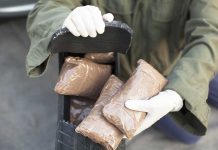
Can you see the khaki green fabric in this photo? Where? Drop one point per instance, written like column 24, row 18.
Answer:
column 178, row 37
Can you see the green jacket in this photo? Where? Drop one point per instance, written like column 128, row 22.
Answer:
column 178, row 37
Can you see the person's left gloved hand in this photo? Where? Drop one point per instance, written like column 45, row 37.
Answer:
column 156, row 107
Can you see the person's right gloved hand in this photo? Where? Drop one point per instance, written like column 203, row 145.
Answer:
column 87, row 21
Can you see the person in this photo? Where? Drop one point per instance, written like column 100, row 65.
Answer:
column 178, row 38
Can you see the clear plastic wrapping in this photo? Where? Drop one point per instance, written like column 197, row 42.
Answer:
column 101, row 57
column 144, row 83
column 95, row 126
column 80, row 107
column 82, row 77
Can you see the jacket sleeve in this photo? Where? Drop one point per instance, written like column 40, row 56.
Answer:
column 197, row 66
column 46, row 17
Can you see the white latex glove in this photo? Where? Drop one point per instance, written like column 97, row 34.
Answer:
column 87, row 21
column 156, row 107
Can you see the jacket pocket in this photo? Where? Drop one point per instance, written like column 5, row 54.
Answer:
column 120, row 7
column 166, row 10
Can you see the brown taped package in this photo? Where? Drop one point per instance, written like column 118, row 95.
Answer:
column 143, row 84
column 101, row 57
column 95, row 126
column 82, row 77
column 80, row 107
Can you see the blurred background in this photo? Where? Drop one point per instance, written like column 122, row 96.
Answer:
column 28, row 107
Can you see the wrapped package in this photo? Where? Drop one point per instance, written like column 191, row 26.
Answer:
column 144, row 83
column 82, row 77
column 101, row 57
column 95, row 126
column 80, row 107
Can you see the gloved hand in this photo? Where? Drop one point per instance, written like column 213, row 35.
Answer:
column 87, row 21
column 156, row 107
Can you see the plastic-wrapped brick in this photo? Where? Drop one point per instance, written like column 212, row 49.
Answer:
column 95, row 126
column 144, row 83
column 82, row 77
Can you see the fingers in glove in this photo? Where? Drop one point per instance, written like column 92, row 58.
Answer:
column 124, row 137
column 88, row 22
column 79, row 24
column 140, row 105
column 97, row 19
column 108, row 17
column 71, row 27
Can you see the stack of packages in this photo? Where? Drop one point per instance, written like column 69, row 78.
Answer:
column 108, row 120
column 83, row 79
